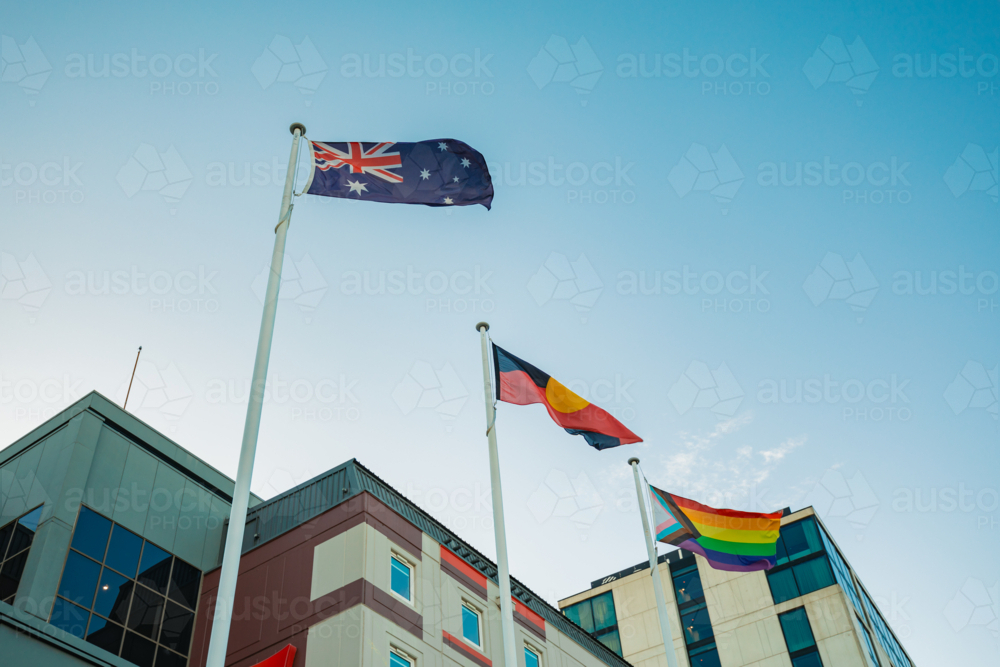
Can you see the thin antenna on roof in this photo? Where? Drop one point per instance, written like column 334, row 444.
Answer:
column 133, row 377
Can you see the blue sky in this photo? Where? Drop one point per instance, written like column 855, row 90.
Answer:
column 898, row 455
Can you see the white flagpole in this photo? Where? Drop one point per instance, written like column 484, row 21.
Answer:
column 661, row 600
column 506, row 604
column 241, row 493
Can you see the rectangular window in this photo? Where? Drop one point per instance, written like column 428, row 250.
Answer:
column 799, row 638
column 706, row 656
column 531, row 658
column 882, row 632
column 399, row 659
column 471, row 630
column 401, row 578
column 803, row 565
column 126, row 595
column 697, row 625
column 15, row 541
column 868, row 642
column 597, row 616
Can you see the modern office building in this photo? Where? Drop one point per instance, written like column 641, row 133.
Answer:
column 810, row 610
column 111, row 540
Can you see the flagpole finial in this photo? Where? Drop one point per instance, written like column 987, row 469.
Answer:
column 481, row 325
column 633, row 460
column 298, row 126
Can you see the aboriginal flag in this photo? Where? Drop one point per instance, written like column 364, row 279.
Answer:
column 520, row 383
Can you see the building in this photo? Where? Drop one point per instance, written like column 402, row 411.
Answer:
column 810, row 610
column 111, row 539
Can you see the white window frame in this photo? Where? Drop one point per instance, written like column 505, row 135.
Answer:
column 413, row 576
column 538, row 654
column 402, row 655
column 479, row 620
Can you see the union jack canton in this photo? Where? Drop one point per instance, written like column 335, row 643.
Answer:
column 440, row 172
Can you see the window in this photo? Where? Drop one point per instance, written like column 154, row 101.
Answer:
column 15, row 542
column 471, row 626
column 801, row 565
column 399, row 659
column 841, row 572
column 401, row 578
column 597, row 616
column 799, row 638
column 868, row 642
column 531, row 658
column 699, row 637
column 884, row 635
column 126, row 595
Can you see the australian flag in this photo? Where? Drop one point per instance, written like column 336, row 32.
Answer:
column 440, row 172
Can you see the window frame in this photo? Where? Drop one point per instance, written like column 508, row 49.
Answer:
column 402, row 655
column 794, row 655
column 530, row 648
column 6, row 557
column 473, row 609
column 411, row 569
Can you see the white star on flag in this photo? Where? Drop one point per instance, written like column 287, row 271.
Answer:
column 443, row 146
column 357, row 186
column 425, row 174
column 447, row 200
column 465, row 162
column 455, row 179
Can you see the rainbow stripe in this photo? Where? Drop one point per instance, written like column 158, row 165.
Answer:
column 729, row 539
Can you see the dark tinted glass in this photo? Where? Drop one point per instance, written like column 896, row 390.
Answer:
column 798, row 634
column 10, row 575
column 612, row 641
column 783, row 586
column 184, row 580
column 123, row 551
column 581, row 615
column 138, row 650
column 91, row 533
column 706, row 658
column 111, row 591
column 24, row 531
column 5, row 534
column 154, row 569
column 30, row 520
column 604, row 611
column 697, row 625
column 69, row 617
column 165, row 658
column 79, row 580
column 119, row 611
column 105, row 634
column 800, row 539
column 687, row 586
column 808, row 660
column 813, row 575
column 177, row 625
column 146, row 613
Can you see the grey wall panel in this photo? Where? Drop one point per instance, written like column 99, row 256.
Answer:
column 132, row 498
column 164, row 507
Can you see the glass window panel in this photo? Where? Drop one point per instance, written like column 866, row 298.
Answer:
column 123, row 551
column 783, row 586
column 800, row 539
column 868, row 642
column 105, row 634
column 530, row 658
column 154, row 568
column 841, row 572
column 10, row 575
column 31, row 519
column 697, row 625
column 396, row 660
column 165, row 658
column 138, row 650
column 178, row 623
column 781, row 555
column 91, row 533
column 582, row 614
column 79, row 579
column 184, row 581
column 688, row 587
column 24, row 532
column 119, row 611
column 706, row 656
column 146, row 613
column 604, row 611
column 798, row 634
column 69, row 617
column 808, row 660
column 400, row 581
column 813, row 575
column 612, row 641
column 111, row 591
column 5, row 533
column 470, row 625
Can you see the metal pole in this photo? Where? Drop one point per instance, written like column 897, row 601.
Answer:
column 125, row 404
column 661, row 600
column 506, row 602
column 241, row 494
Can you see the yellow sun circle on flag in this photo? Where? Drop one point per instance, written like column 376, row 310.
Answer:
column 562, row 399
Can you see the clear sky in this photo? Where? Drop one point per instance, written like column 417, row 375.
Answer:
column 826, row 339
